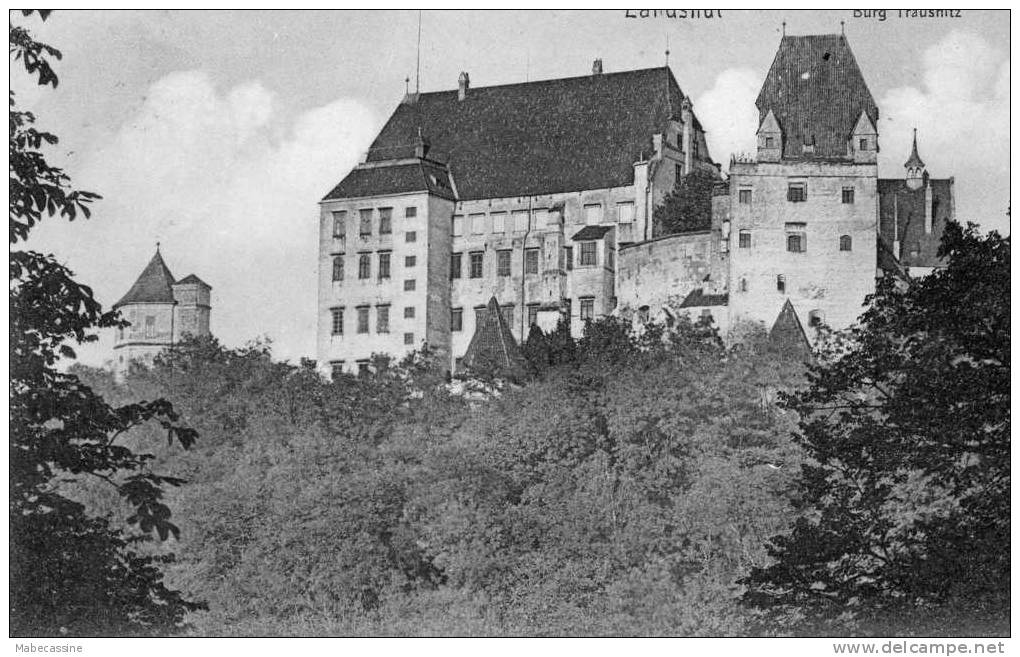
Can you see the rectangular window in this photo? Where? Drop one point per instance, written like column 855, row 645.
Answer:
column 796, row 193
column 499, row 222
column 409, row 285
column 385, row 221
column 589, row 254
column 795, row 243
column 744, row 196
column 382, row 319
column 568, row 252
column 503, row 262
column 364, row 266
column 411, row 212
column 610, row 258
column 780, row 283
column 679, row 173
column 532, row 314
column 362, row 319
column 365, row 223
column 411, row 236
column 337, row 320
column 338, row 268
column 848, row 194
column 340, row 224
column 846, row 243
column 770, row 142
column 593, row 214
column 363, row 368
column 336, row 368
column 456, row 319
column 477, row 260
column 479, row 314
column 745, row 239
column 531, row 261
column 863, row 144
column 477, row 224
column 508, row 314
column 520, row 219
column 455, row 267
column 384, row 265
column 458, row 225
column 541, row 218
column 587, row 308
column 625, row 213
column 409, row 338
column 410, row 261
column 409, row 312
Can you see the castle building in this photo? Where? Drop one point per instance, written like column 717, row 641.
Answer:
column 161, row 311
column 522, row 192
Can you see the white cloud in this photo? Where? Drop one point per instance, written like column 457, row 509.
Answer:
column 230, row 188
column 728, row 114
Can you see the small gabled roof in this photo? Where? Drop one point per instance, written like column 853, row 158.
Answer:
column 191, row 278
column 697, row 299
column 788, row 333
column 152, row 286
column 493, row 350
column 591, row 233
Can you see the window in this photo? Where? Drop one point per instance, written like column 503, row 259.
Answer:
column 363, row 368
column 384, row 265
column 532, row 314
column 508, row 313
column 340, row 224
column 593, row 214
column 503, row 262
column 477, row 260
column 477, row 224
column 150, row 326
column 456, row 319
column 863, row 145
column 362, row 319
column 589, row 254
column 744, row 238
column 541, row 218
column 409, row 285
column 410, row 261
column 846, row 243
column 382, row 319
column 385, row 221
column 411, row 236
column 409, row 338
column 364, row 266
column 770, row 142
column 365, row 223
column 499, row 222
column 336, row 368
column 743, row 285
column 337, row 320
column 587, row 308
column 780, row 283
column 848, row 194
column 338, row 268
column 520, row 218
column 744, row 196
column 568, row 309
column 455, row 267
column 625, row 213
column 530, row 261
column 480, row 312
column 409, row 312
column 795, row 243
column 796, row 193
column 611, row 258
column 458, row 225
column 568, row 254
column 120, row 333
column 706, row 315
column 679, row 173
column 411, row 212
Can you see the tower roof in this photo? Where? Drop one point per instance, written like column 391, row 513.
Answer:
column 817, row 93
column 915, row 161
column 152, row 286
column 788, row 333
column 493, row 350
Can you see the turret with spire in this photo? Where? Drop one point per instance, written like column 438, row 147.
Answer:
column 915, row 167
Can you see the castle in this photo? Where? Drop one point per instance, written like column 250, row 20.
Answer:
column 541, row 195
column 161, row 311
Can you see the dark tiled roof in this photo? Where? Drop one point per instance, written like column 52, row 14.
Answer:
column 895, row 199
column 816, row 90
column 591, row 233
column 697, row 298
column 397, row 178
column 914, row 161
column 788, row 333
column 153, row 286
column 191, row 278
column 538, row 137
column 493, row 350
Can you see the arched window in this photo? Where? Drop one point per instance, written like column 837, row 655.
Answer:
column 846, row 243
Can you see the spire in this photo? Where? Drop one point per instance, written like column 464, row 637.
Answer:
column 915, row 161
column 493, row 352
column 152, row 286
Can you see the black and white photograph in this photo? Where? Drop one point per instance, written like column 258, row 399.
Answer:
column 335, row 325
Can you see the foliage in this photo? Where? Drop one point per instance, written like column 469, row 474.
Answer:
column 688, row 206
column 71, row 572
column 906, row 494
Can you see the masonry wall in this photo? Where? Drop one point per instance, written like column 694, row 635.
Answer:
column 192, row 310
column 135, row 342
column 661, row 272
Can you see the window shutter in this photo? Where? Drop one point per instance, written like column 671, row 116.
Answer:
column 789, row 193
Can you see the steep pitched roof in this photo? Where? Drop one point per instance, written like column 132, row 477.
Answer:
column 788, row 333
column 537, row 137
column 397, row 178
column 191, row 278
column 901, row 218
column 153, row 286
column 697, row 299
column 493, row 350
column 914, row 161
column 817, row 93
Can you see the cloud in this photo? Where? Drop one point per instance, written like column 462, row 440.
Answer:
column 728, row 114
column 230, row 188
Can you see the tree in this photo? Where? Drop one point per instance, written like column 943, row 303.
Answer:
column 688, row 207
column 905, row 499
column 71, row 571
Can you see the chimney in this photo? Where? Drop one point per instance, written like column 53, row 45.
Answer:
column 463, row 82
column 596, row 67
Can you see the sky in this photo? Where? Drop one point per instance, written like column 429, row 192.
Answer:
column 216, row 133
